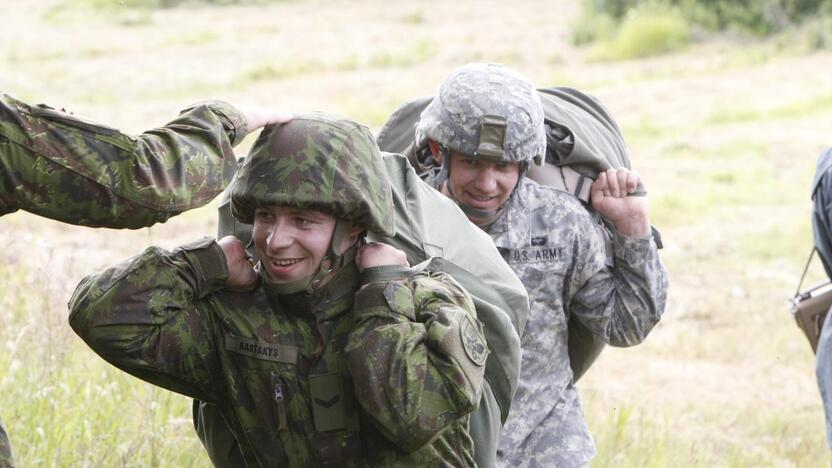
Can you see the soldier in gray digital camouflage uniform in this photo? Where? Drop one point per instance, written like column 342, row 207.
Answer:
column 6, row 459
column 330, row 352
column 69, row 169
column 485, row 126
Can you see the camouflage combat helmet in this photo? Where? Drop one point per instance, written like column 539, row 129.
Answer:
column 320, row 162
column 316, row 161
column 486, row 111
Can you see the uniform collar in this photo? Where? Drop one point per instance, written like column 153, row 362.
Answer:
column 329, row 301
column 512, row 229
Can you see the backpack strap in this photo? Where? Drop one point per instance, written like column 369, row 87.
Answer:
column 576, row 183
column 805, row 269
column 563, row 178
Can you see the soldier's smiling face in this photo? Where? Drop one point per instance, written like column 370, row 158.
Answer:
column 291, row 242
column 482, row 185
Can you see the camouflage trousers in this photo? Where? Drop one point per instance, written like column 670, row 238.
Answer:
column 6, row 460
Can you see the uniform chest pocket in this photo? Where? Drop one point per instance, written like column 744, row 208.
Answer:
column 330, row 402
column 540, row 279
column 269, row 393
column 268, row 372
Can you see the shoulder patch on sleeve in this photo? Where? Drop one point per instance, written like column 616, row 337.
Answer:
column 473, row 341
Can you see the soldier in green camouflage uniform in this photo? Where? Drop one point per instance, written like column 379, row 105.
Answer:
column 360, row 361
column 486, row 127
column 65, row 168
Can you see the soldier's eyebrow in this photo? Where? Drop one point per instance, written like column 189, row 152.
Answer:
column 309, row 213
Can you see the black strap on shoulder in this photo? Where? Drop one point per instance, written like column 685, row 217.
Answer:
column 797, row 294
column 384, row 274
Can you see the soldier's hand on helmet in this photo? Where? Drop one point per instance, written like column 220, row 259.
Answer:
column 609, row 196
column 377, row 254
column 260, row 117
column 241, row 274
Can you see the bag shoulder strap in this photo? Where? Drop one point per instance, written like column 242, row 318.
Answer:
column 803, row 276
column 563, row 178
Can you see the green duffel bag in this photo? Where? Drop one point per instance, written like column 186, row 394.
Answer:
column 582, row 139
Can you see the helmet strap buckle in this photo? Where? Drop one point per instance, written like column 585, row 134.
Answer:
column 333, row 261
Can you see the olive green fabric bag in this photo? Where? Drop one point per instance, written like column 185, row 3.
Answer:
column 428, row 224
column 582, row 139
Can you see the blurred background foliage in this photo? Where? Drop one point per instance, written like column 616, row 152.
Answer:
column 620, row 29
column 624, row 29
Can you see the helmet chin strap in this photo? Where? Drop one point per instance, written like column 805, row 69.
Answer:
column 329, row 266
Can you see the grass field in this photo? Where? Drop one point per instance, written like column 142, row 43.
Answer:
column 725, row 133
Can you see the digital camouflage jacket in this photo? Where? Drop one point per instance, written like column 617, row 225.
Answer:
column 560, row 252
column 62, row 167
column 383, row 375
column 6, row 459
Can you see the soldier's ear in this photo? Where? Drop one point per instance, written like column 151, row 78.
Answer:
column 354, row 231
column 434, row 150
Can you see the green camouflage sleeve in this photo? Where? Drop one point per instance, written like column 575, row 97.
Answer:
column 141, row 317
column 6, row 459
column 624, row 301
column 417, row 354
column 62, row 167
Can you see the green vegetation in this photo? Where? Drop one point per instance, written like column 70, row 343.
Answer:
column 760, row 17
column 626, row 29
column 642, row 33
column 804, row 109
column 71, row 408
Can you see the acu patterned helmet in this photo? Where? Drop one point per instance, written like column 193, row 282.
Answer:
column 317, row 161
column 487, row 111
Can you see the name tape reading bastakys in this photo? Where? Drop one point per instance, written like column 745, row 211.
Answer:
column 267, row 351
